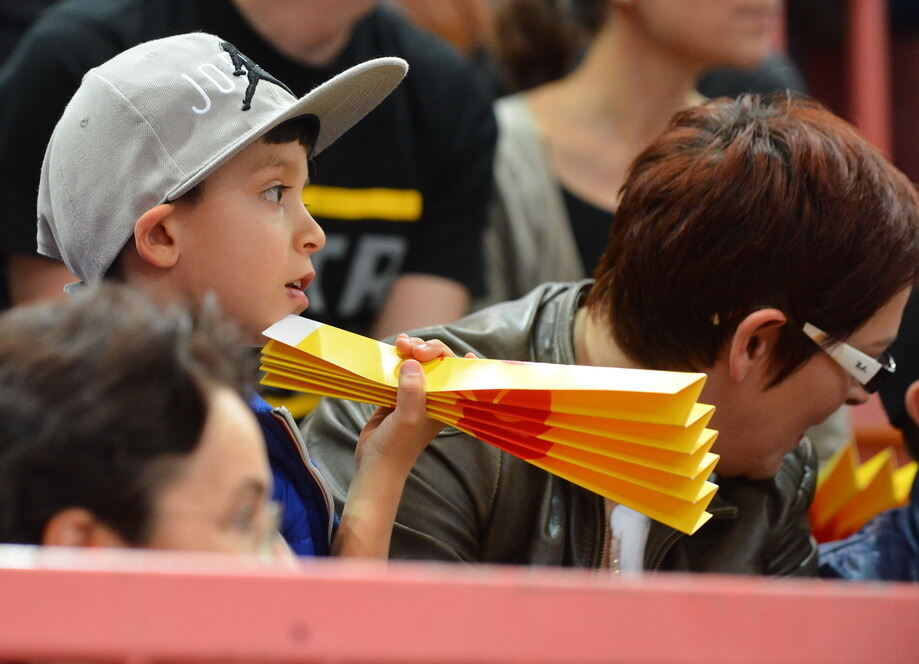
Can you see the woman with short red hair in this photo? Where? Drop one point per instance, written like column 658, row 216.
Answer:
column 764, row 243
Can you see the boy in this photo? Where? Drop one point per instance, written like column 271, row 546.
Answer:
column 403, row 230
column 177, row 167
column 742, row 223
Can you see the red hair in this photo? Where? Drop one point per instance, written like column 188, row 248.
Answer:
column 747, row 204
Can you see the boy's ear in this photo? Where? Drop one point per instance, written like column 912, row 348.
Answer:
column 76, row 526
column 753, row 342
column 155, row 236
column 911, row 401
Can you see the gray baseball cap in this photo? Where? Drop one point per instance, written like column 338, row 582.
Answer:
column 148, row 125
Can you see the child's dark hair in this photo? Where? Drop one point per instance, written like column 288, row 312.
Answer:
column 99, row 397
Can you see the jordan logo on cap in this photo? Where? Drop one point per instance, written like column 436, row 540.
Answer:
column 254, row 73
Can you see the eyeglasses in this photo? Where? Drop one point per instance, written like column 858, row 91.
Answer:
column 868, row 371
column 262, row 533
column 258, row 532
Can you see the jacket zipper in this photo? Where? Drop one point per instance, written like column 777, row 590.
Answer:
column 666, row 545
column 293, row 432
column 672, row 538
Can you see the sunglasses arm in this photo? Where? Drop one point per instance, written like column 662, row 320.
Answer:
column 860, row 366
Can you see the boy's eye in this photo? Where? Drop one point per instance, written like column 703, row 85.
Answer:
column 275, row 193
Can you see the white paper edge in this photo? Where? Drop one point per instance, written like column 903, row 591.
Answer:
column 292, row 329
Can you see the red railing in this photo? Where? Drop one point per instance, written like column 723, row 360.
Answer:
column 141, row 607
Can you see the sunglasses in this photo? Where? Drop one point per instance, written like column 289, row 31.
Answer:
column 868, row 371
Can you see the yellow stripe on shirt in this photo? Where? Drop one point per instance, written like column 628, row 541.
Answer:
column 371, row 203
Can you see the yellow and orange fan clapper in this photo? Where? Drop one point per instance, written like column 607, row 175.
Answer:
column 850, row 493
column 636, row 437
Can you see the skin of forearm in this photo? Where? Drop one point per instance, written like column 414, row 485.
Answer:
column 389, row 445
column 370, row 508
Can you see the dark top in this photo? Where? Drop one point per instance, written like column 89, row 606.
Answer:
column 776, row 73
column 15, row 18
column 590, row 225
column 905, row 350
column 429, row 146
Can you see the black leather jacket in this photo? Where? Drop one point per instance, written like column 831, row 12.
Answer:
column 468, row 501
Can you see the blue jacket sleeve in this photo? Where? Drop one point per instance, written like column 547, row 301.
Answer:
column 308, row 518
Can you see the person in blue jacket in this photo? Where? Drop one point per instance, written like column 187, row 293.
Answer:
column 887, row 547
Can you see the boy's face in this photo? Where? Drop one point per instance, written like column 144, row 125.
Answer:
column 249, row 238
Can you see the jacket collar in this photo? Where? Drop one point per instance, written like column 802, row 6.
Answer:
column 661, row 538
column 557, row 325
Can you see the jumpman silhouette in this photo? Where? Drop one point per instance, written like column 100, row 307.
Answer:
column 254, row 73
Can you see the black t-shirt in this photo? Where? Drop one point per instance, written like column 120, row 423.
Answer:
column 404, row 191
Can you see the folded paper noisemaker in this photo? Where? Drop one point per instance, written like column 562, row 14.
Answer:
column 636, row 437
column 850, row 493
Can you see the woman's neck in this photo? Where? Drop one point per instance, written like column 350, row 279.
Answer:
column 594, row 344
column 628, row 85
column 597, row 119
column 314, row 43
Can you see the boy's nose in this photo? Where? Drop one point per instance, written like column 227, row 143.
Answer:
column 310, row 237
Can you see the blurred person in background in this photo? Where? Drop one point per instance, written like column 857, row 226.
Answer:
column 15, row 18
column 466, row 24
column 566, row 141
column 402, row 198
column 565, row 144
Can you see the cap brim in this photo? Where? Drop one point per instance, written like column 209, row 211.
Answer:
column 343, row 100
column 338, row 103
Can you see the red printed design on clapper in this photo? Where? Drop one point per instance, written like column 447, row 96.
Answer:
column 516, row 429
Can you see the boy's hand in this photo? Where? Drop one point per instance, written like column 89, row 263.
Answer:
column 387, row 449
column 398, row 435
column 421, row 350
